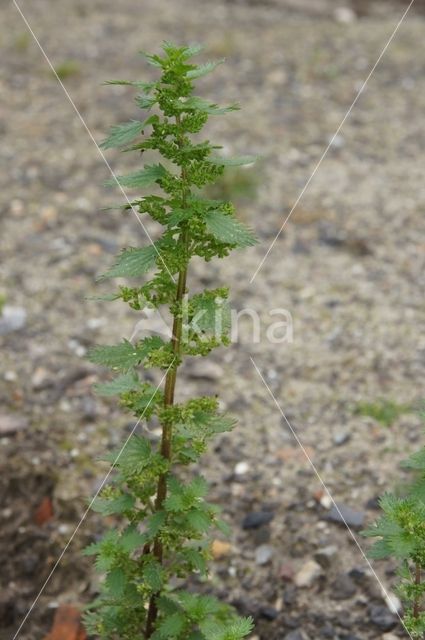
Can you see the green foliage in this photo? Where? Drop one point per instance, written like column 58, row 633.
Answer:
column 384, row 411
column 164, row 514
column 401, row 533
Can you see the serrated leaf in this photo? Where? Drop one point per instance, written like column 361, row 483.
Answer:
column 146, row 86
column 126, row 382
column 226, row 228
column 203, row 69
column 155, row 523
column 198, row 520
column 131, row 539
column 144, row 178
column 124, row 356
column 136, row 453
column 194, row 103
column 152, row 574
column 110, row 506
column 133, row 263
column 170, row 627
column 122, row 134
column 236, row 161
column 115, row 582
column 144, row 101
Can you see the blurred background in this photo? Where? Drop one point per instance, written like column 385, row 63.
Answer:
column 348, row 266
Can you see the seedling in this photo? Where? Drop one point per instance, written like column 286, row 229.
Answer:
column 166, row 519
column 401, row 530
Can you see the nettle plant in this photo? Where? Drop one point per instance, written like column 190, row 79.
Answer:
column 166, row 520
column 401, row 530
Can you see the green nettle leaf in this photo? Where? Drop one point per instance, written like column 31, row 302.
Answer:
column 133, row 263
column 229, row 230
column 195, row 103
column 203, row 69
column 152, row 573
column 236, row 161
column 115, row 582
column 144, row 178
column 122, row 134
column 162, row 519
column 125, row 382
column 109, row 506
column 124, row 356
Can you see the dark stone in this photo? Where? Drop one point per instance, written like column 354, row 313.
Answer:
column 297, row 634
column 343, row 587
column 327, row 631
column 257, row 519
column 268, row 613
column 373, row 504
column 382, row 617
column 357, row 574
column 290, row 595
column 345, row 515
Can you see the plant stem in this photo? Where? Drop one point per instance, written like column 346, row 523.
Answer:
column 170, row 385
column 416, row 603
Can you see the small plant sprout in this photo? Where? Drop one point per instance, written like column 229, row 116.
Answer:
column 164, row 536
column 401, row 532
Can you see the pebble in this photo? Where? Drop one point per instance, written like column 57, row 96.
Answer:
column 346, row 515
column 343, row 587
column 382, row 617
column 12, row 319
column 241, row 468
column 269, row 613
column 220, row 549
column 325, row 555
column 390, row 636
column 263, row 554
column 341, row 437
column 297, row 634
column 10, row 424
column 256, row 519
column 344, row 15
column 308, row 574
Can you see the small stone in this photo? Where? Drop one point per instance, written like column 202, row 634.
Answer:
column 39, row 378
column 10, row 376
column 220, row 549
column 286, row 571
column 341, row 437
column 269, row 613
column 12, row 319
column 382, row 617
column 343, row 587
column 241, row 468
column 390, row 636
column 207, row 370
column 263, row 554
column 341, row 514
column 256, row 519
column 325, row 555
column 308, row 574
column 344, row 15
column 297, row 634
column 11, row 423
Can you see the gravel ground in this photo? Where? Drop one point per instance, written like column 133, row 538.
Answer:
column 348, row 266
